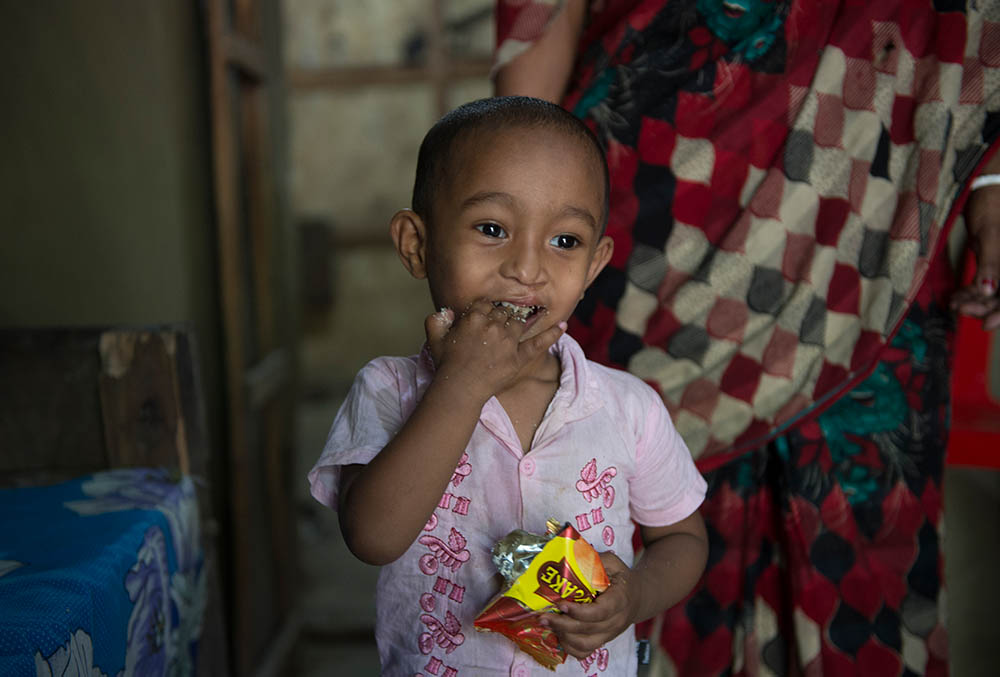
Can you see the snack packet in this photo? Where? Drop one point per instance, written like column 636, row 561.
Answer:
column 539, row 571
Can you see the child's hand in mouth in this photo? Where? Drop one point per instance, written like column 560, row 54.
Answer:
column 480, row 349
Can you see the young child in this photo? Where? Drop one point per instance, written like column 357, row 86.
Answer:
column 500, row 422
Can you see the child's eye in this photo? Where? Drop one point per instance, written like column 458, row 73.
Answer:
column 491, row 230
column 564, row 241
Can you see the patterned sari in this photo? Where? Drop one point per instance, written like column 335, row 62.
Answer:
column 785, row 176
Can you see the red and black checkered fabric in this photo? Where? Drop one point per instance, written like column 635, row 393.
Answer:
column 777, row 193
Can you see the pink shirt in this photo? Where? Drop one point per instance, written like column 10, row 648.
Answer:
column 604, row 454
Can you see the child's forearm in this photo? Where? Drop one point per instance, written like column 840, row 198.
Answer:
column 385, row 504
column 383, row 508
column 669, row 567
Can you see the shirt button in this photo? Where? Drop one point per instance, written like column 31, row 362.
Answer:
column 519, row 671
column 528, row 467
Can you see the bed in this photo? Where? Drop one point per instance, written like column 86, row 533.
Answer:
column 107, row 542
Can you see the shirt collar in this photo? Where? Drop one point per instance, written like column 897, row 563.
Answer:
column 579, row 395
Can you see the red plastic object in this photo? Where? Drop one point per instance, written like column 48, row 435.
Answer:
column 975, row 416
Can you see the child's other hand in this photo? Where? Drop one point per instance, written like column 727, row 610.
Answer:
column 480, row 349
column 583, row 628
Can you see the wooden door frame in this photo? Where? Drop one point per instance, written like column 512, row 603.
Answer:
column 258, row 366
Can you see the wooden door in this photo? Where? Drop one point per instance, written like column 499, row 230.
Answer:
column 258, row 358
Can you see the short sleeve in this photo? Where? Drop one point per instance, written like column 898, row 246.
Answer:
column 368, row 419
column 667, row 486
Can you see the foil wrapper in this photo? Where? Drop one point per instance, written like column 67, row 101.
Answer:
column 513, row 553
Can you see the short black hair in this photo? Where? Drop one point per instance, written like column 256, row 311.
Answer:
column 494, row 113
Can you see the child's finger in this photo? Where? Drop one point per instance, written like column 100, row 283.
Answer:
column 585, row 613
column 531, row 348
column 581, row 646
column 565, row 624
column 436, row 326
column 576, row 638
column 607, row 605
column 612, row 563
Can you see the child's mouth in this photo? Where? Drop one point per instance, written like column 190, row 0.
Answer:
column 520, row 313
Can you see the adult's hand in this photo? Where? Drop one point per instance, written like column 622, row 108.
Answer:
column 981, row 297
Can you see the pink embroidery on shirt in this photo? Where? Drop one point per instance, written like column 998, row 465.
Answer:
column 461, row 505
column 434, row 666
column 453, row 591
column 428, row 564
column 432, row 522
column 426, row 643
column 447, row 635
column 462, row 471
column 594, row 485
column 608, row 536
column 600, row 657
column 427, row 602
column 441, row 586
column 585, row 521
column 452, row 555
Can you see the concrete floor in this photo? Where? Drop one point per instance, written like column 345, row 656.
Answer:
column 338, row 591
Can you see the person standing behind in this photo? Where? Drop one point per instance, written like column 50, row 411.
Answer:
column 785, row 177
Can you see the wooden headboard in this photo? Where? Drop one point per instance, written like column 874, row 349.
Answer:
column 73, row 401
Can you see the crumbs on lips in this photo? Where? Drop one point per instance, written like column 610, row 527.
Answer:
column 539, row 571
column 516, row 312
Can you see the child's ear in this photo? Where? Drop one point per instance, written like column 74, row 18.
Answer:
column 602, row 254
column 409, row 234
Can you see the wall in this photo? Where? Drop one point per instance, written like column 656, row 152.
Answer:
column 105, row 170
column 352, row 156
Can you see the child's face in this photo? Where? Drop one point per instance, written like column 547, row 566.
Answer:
column 519, row 222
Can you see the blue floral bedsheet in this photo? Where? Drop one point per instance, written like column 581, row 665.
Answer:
column 101, row 576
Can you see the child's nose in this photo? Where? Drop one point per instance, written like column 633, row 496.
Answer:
column 523, row 263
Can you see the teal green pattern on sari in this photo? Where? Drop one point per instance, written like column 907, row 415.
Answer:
column 596, row 93
column 876, row 405
column 749, row 27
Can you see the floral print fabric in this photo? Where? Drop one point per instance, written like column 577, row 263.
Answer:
column 101, row 576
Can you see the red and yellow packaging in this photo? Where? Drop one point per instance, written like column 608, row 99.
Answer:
column 566, row 568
